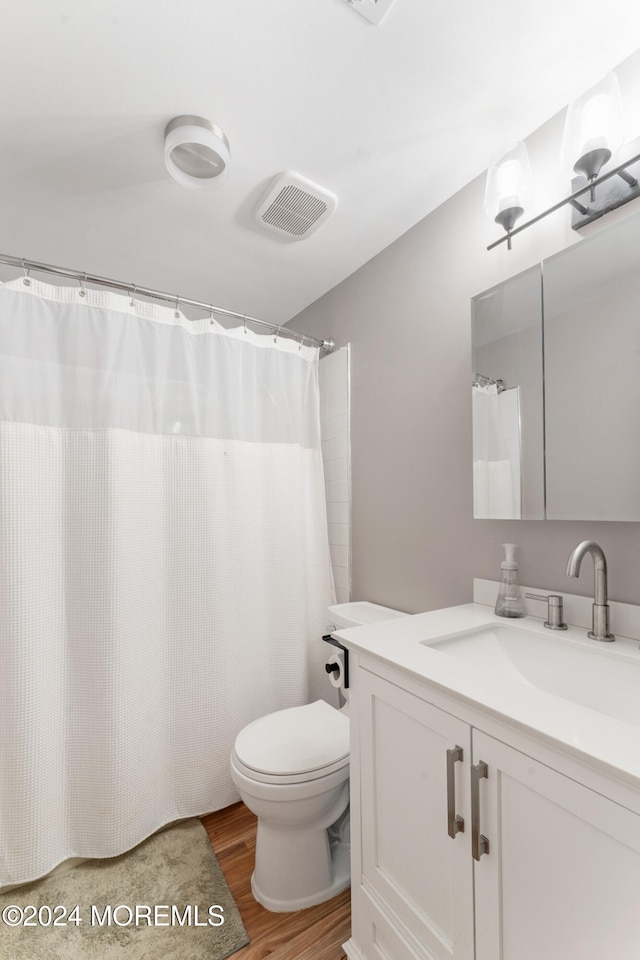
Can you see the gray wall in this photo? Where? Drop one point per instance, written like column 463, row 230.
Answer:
column 406, row 314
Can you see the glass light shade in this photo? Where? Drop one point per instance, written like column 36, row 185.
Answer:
column 509, row 186
column 594, row 128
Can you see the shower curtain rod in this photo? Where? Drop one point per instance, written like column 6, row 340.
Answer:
column 479, row 380
column 133, row 289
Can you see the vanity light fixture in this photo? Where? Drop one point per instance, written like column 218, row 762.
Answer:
column 593, row 130
column 509, row 186
column 592, row 141
column 196, row 151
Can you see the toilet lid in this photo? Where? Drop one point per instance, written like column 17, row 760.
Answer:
column 296, row 740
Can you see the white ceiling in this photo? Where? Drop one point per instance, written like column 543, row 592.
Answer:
column 392, row 118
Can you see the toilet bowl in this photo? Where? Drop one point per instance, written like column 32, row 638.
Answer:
column 291, row 769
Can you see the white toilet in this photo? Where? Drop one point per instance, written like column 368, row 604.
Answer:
column 291, row 768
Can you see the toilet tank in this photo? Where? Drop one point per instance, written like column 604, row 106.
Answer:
column 357, row 613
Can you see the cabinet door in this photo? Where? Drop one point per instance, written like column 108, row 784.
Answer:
column 409, row 859
column 562, row 875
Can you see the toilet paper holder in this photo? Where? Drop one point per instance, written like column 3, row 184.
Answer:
column 330, row 667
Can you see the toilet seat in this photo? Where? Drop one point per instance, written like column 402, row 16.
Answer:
column 292, row 778
column 294, row 745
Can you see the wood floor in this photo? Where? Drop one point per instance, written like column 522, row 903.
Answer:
column 313, row 934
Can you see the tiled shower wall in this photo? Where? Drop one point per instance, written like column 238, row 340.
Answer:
column 334, row 424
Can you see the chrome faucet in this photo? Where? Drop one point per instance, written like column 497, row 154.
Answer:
column 600, row 608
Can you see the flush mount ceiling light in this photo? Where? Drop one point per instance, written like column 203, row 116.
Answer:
column 592, row 147
column 371, row 10
column 196, row 151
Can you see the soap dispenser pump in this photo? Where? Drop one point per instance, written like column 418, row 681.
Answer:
column 509, row 602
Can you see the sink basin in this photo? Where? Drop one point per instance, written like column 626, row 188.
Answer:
column 601, row 680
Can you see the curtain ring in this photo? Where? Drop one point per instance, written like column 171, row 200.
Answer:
column 211, row 320
column 177, row 312
column 275, row 334
column 82, row 292
column 25, row 279
column 132, row 294
column 245, row 323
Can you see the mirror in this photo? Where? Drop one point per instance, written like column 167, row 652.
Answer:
column 592, row 377
column 508, row 440
column 579, row 429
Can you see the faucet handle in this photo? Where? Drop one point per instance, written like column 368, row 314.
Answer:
column 554, row 602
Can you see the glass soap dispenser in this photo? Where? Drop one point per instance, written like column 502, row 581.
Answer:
column 509, row 602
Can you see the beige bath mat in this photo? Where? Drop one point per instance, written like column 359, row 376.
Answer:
column 165, row 900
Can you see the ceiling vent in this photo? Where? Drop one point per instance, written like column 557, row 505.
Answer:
column 371, row 10
column 294, row 207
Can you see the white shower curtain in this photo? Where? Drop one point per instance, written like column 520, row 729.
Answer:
column 164, row 567
column 497, row 453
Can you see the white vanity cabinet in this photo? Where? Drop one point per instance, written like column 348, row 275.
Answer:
column 408, row 861
column 560, row 877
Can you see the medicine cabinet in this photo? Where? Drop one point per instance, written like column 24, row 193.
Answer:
column 556, row 385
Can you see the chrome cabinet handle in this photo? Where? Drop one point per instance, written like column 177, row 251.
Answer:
column 479, row 843
column 455, row 823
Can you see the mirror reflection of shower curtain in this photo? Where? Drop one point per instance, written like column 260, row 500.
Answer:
column 497, row 453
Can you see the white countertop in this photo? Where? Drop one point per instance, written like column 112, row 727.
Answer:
column 609, row 743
